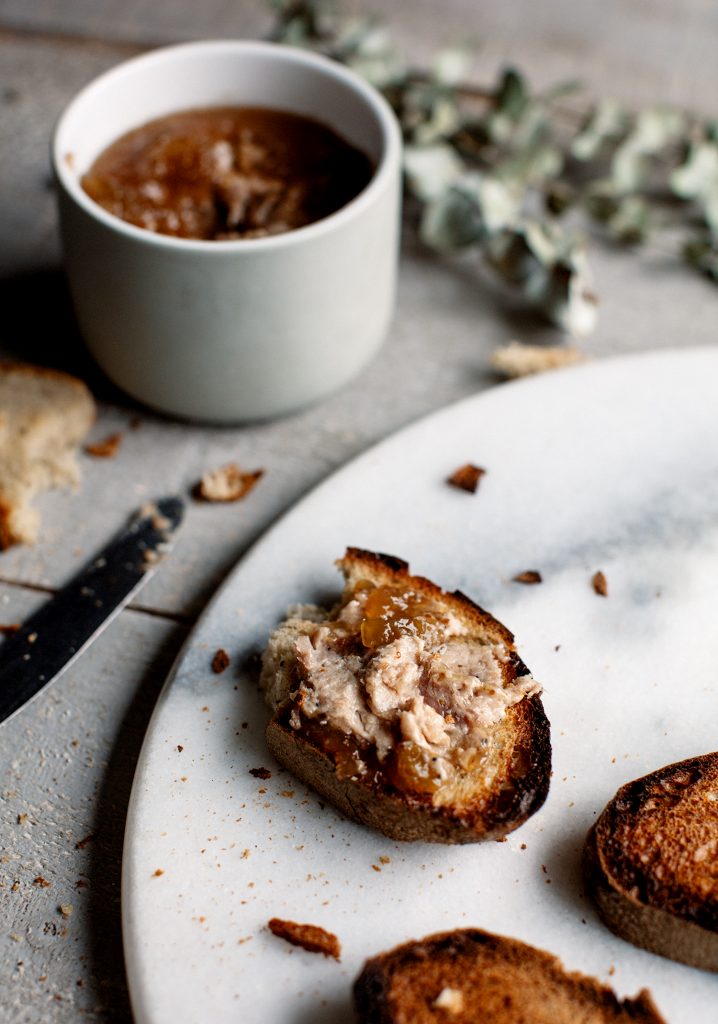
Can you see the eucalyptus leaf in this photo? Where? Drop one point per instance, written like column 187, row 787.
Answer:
column 473, row 209
column 652, row 131
column 450, row 66
column 531, row 165
column 431, row 170
column 698, row 176
column 443, row 121
column 512, row 95
column 631, row 222
column 452, row 221
column 607, row 123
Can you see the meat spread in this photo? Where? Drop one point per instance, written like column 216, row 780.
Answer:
column 226, row 173
column 398, row 683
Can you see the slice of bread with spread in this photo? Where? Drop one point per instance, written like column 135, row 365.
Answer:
column 469, row 975
column 44, row 414
column 408, row 708
column 650, row 862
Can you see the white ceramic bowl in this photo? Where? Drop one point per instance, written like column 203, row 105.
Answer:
column 232, row 330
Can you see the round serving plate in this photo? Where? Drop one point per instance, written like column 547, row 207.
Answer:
column 610, row 466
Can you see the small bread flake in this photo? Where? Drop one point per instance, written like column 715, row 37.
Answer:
column 529, row 577
column 309, row 936
column 260, row 773
column 157, row 872
column 41, row 883
column 105, row 449
column 9, row 628
column 467, row 477
column 521, row 360
column 449, row 999
column 228, row 483
column 600, row 583
column 220, row 661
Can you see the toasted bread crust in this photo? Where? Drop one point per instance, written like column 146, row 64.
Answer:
column 493, row 801
column 406, row 817
column 649, row 862
column 494, row 978
column 388, row 569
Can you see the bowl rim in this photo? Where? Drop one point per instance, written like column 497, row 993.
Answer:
column 69, row 181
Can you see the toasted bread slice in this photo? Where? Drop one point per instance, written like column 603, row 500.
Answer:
column 469, row 975
column 650, row 862
column 408, row 708
column 44, row 414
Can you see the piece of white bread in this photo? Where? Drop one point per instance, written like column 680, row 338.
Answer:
column 470, row 976
column 44, row 414
column 650, row 862
column 434, row 733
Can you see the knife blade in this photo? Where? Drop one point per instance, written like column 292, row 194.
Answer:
column 54, row 636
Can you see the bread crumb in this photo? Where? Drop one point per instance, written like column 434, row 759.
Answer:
column 21, row 819
column 309, row 936
column 82, row 843
column 600, row 583
column 158, row 872
column 45, row 416
column 260, row 773
column 9, row 629
column 180, row 748
column 228, row 483
column 385, row 860
column 41, row 882
column 519, row 359
column 220, row 661
column 65, row 909
column 449, row 999
column 467, row 477
column 530, row 576
column 105, row 449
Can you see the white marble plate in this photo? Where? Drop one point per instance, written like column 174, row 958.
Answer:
column 611, row 466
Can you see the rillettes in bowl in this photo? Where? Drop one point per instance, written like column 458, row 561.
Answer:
column 245, row 329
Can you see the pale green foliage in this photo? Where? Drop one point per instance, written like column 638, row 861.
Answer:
column 498, row 169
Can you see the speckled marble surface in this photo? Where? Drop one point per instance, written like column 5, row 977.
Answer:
column 612, row 466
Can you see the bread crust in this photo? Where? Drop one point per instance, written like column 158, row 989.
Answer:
column 649, row 862
column 520, row 759
column 495, row 978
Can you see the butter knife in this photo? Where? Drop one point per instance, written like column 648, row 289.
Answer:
column 55, row 635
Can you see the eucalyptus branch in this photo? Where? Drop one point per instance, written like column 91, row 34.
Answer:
column 498, row 170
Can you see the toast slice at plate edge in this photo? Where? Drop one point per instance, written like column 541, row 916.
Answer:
column 649, row 862
column 470, row 975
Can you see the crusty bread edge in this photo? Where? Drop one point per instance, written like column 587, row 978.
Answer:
column 644, row 926
column 404, row 818
column 388, row 569
column 373, row 986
